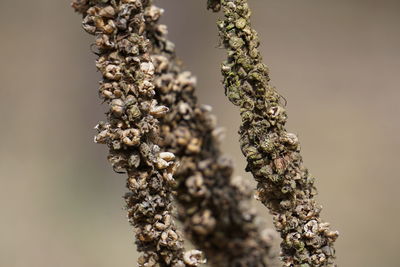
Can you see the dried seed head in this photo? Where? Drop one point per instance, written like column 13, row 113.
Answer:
column 158, row 111
column 167, row 156
column 107, row 12
column 280, row 165
column 193, row 258
column 131, row 137
column 291, row 139
column 117, row 107
column 154, row 13
column 241, row 23
column 162, row 164
column 147, row 68
column 124, row 35
column 195, row 185
column 112, row 72
column 194, row 145
column 274, row 111
column 204, row 222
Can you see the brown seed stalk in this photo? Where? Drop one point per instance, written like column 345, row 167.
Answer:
column 214, row 205
column 284, row 184
column 132, row 129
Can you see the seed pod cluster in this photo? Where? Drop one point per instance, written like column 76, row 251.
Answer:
column 133, row 126
column 214, row 206
column 284, row 185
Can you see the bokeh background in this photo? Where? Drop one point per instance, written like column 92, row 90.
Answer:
column 336, row 61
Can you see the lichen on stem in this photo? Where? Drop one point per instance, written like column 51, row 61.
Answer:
column 284, row 184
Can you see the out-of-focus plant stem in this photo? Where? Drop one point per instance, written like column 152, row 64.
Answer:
column 215, row 207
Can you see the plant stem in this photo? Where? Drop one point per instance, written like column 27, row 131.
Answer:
column 132, row 129
column 273, row 155
column 214, row 206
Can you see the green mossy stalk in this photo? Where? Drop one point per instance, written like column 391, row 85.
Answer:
column 284, row 184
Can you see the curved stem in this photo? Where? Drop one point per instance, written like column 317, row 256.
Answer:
column 273, row 155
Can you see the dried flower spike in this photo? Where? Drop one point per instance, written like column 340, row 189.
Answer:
column 273, row 155
column 133, row 127
column 214, row 206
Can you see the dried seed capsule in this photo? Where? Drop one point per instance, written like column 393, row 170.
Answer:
column 112, row 72
column 167, row 156
column 147, row 68
column 194, row 146
column 240, row 23
column 134, row 112
column 193, row 258
column 117, row 107
column 107, row 12
column 158, row 111
column 162, row 164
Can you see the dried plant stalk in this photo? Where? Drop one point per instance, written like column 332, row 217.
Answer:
column 273, row 155
column 214, row 206
column 207, row 191
column 133, row 126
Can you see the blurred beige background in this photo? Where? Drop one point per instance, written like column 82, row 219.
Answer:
column 336, row 61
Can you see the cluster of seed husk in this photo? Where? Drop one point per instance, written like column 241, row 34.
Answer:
column 214, row 205
column 284, row 185
column 222, row 199
column 132, row 129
